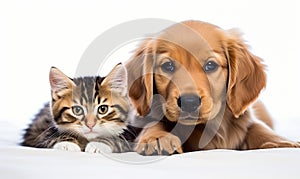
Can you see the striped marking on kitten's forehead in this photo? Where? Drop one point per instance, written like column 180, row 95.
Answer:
column 88, row 89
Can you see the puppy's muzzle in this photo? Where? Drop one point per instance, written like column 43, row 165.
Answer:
column 189, row 102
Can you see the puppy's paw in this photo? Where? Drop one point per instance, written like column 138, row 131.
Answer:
column 67, row 146
column 162, row 143
column 97, row 147
column 280, row 144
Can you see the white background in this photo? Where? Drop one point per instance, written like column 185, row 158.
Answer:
column 35, row 35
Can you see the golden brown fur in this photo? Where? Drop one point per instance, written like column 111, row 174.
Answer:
column 225, row 117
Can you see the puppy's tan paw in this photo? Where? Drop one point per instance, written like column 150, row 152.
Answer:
column 163, row 143
column 281, row 144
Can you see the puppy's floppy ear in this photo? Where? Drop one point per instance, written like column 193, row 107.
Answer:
column 246, row 75
column 140, row 78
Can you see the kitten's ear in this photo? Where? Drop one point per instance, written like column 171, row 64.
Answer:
column 117, row 79
column 59, row 82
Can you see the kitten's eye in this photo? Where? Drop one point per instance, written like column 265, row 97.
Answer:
column 102, row 109
column 77, row 110
column 168, row 67
column 210, row 66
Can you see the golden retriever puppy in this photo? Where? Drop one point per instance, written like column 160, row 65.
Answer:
column 195, row 87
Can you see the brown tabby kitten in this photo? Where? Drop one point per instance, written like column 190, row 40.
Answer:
column 86, row 114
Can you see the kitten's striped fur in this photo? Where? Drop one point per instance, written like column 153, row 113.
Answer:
column 83, row 110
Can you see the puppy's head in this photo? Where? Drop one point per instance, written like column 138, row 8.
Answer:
column 198, row 69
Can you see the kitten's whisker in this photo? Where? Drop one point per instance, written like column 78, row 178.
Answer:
column 43, row 133
column 126, row 141
column 131, row 132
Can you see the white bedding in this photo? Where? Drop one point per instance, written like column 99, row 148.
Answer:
column 24, row 162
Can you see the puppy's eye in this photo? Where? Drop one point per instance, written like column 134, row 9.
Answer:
column 210, row 66
column 77, row 110
column 168, row 67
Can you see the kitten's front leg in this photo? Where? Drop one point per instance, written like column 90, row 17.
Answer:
column 67, row 146
column 97, row 147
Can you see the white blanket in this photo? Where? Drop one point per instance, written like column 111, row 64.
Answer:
column 23, row 162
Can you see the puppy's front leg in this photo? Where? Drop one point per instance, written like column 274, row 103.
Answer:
column 261, row 137
column 155, row 140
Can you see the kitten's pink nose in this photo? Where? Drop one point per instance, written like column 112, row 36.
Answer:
column 90, row 121
column 90, row 124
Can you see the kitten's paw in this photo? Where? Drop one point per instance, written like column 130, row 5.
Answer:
column 67, row 146
column 97, row 147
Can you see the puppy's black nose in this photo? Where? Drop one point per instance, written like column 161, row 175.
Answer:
column 189, row 103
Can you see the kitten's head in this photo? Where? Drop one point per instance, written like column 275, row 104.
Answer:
column 91, row 106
